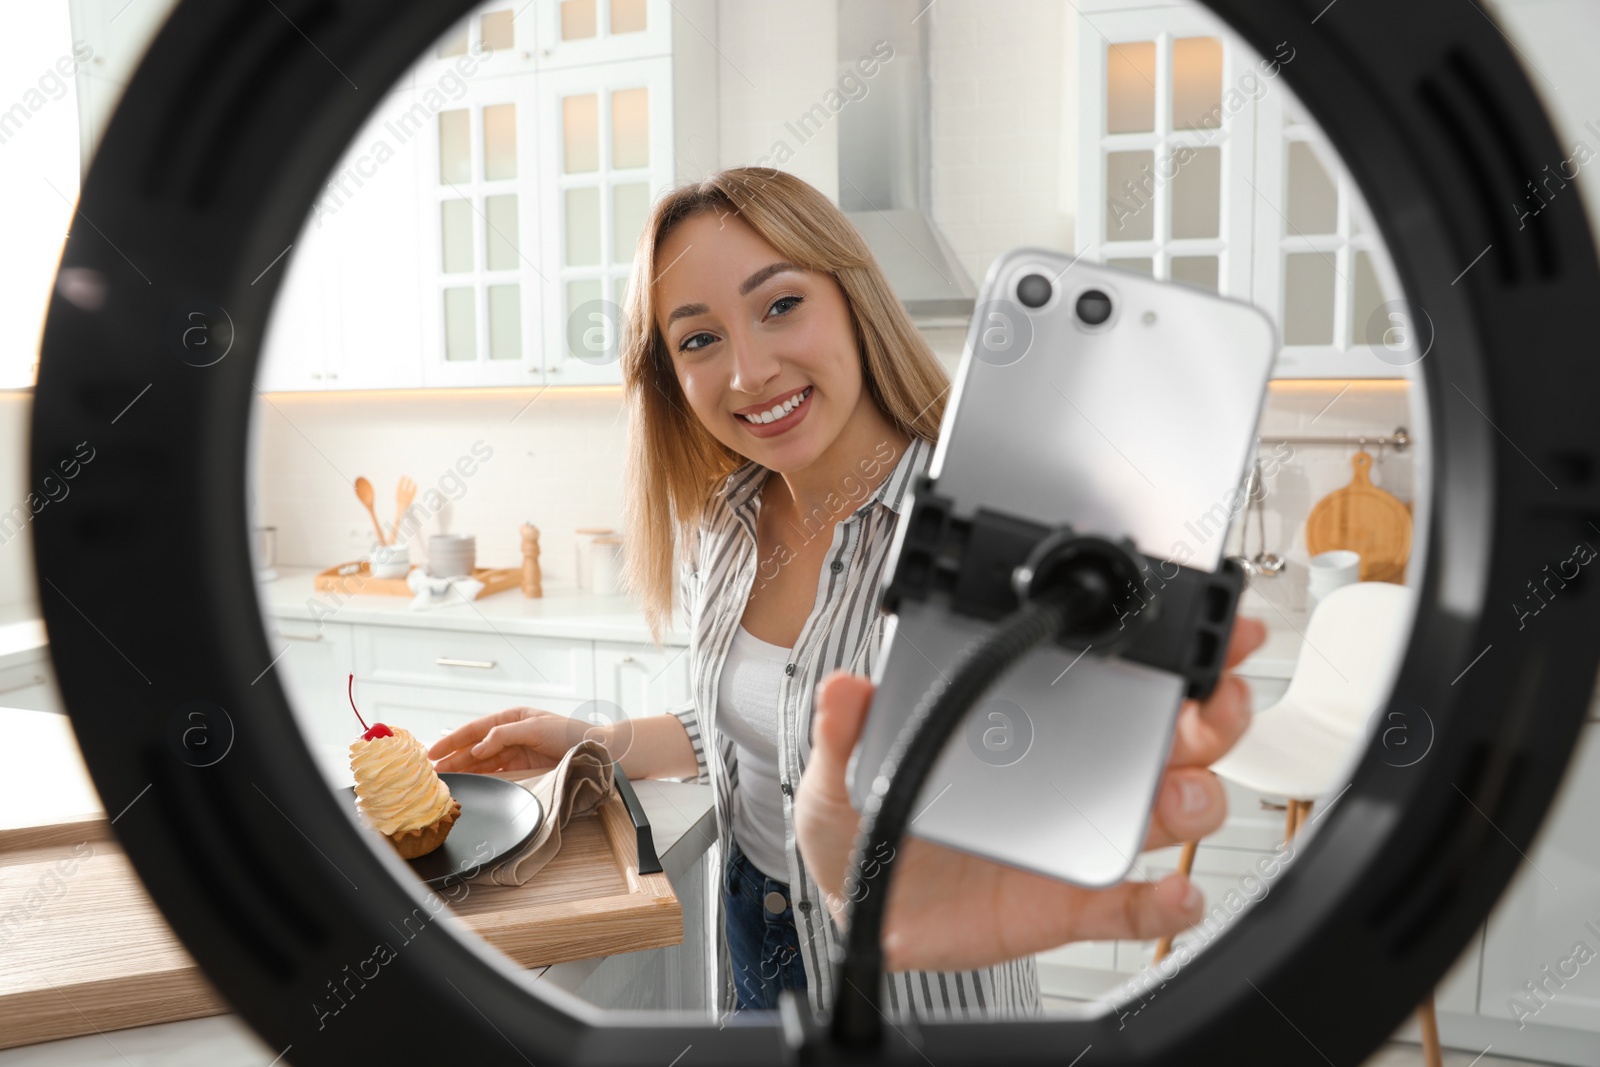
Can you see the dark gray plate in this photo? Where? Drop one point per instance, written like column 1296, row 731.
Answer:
column 497, row 818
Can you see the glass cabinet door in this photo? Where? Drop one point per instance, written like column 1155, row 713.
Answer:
column 1321, row 268
column 607, row 146
column 482, row 246
column 1165, row 138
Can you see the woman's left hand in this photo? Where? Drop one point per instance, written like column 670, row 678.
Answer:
column 952, row 911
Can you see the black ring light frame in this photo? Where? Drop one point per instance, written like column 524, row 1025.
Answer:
column 208, row 170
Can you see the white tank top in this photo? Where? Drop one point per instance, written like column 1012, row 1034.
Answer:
column 747, row 711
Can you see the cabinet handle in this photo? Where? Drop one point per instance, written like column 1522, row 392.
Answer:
column 481, row 664
column 626, row 659
column 300, row 637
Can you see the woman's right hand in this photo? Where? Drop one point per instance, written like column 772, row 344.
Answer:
column 517, row 739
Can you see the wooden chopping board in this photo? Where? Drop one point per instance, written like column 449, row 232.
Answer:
column 1366, row 520
column 83, row 948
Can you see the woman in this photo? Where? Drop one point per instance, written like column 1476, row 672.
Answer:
column 782, row 402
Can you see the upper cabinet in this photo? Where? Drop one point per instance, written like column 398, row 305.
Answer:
column 1198, row 165
column 481, row 228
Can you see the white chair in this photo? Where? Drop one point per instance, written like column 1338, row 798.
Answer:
column 1304, row 746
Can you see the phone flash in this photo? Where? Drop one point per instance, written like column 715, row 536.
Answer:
column 1149, row 318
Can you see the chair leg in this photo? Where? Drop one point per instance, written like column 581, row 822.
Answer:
column 1432, row 1055
column 1185, row 865
column 1295, row 817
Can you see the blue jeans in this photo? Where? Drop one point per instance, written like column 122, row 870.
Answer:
column 763, row 944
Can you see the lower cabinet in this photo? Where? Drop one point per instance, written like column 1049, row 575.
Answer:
column 432, row 681
column 313, row 665
column 675, row 978
column 641, row 679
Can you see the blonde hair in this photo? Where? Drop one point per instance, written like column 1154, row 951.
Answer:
column 674, row 464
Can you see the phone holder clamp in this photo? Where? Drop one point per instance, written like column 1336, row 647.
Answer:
column 1162, row 614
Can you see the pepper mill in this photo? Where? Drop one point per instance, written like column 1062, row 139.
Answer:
column 532, row 585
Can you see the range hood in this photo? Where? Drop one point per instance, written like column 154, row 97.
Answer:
column 885, row 154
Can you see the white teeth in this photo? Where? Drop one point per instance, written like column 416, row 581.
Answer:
column 779, row 411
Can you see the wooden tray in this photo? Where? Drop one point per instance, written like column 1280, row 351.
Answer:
column 495, row 580
column 94, row 953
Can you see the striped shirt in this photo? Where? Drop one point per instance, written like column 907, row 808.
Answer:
column 844, row 631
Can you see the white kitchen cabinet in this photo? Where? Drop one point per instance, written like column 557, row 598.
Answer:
column 607, row 139
column 313, row 665
column 1198, row 166
column 1541, row 953
column 347, row 314
column 294, row 350
column 641, row 679
column 478, row 189
column 536, row 179
column 369, row 211
column 515, row 668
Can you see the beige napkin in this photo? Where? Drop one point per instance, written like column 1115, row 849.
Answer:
column 578, row 785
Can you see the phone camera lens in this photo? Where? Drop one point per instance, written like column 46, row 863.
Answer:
column 1094, row 307
column 1034, row 291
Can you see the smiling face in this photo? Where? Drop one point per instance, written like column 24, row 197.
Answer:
column 750, row 334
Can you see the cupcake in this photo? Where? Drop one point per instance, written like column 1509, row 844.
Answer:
column 397, row 790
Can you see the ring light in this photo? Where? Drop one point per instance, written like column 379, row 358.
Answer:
column 208, row 170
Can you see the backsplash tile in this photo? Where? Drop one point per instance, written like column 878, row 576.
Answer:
column 559, row 465
column 1311, row 471
column 555, row 459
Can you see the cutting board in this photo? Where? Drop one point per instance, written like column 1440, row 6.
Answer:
column 83, row 948
column 1366, row 520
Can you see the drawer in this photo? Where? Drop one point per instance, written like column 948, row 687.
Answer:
column 524, row 668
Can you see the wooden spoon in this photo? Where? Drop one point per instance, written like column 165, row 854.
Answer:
column 404, row 494
column 364, row 493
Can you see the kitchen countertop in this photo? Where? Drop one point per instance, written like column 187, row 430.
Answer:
column 567, row 613
column 563, row 613
column 583, row 616
column 43, row 779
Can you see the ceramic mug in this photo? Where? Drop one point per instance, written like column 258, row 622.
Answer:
column 1329, row 571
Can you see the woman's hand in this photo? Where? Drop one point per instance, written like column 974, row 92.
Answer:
column 952, row 911
column 517, row 739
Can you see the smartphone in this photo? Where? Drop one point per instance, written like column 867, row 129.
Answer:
column 1119, row 405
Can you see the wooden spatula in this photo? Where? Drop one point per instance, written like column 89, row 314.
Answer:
column 404, row 494
column 364, row 494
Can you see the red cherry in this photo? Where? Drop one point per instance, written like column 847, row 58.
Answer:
column 377, row 729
